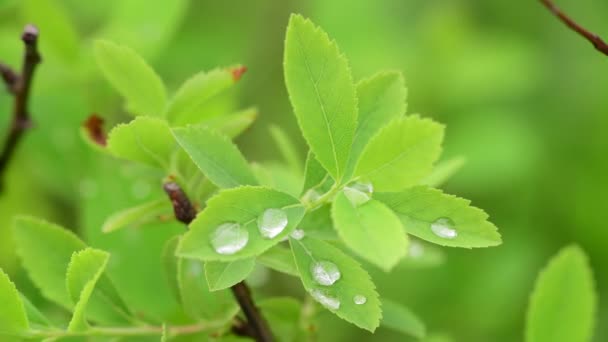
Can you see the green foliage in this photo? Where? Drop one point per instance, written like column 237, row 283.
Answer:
column 222, row 275
column 132, row 77
column 563, row 304
column 399, row 318
column 137, row 215
column 280, row 259
column 322, row 93
column 13, row 319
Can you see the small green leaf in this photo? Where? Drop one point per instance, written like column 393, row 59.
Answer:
column 399, row 318
column 381, row 99
column 322, row 93
column 315, row 175
column 196, row 91
column 318, row 224
column 280, row 259
column 217, row 157
column 132, row 77
column 169, row 262
column 288, row 149
column 423, row 210
column 45, row 250
column 145, row 139
column 138, row 215
column 443, row 171
column 353, row 282
column 563, row 304
column 277, row 176
column 13, row 318
column 283, row 315
column 371, row 230
column 401, row 153
column 198, row 301
column 232, row 125
column 222, row 275
column 35, row 317
column 84, row 270
column 241, row 206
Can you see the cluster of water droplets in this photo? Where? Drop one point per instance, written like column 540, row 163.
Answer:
column 444, row 228
column 359, row 193
column 230, row 237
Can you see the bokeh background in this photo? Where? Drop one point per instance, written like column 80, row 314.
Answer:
column 524, row 99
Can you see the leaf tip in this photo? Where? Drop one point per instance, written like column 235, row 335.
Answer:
column 238, row 72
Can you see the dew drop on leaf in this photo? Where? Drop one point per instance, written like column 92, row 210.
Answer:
column 329, row 302
column 359, row 299
column 444, row 228
column 272, row 222
column 358, row 193
column 298, row 234
column 325, row 273
column 229, row 238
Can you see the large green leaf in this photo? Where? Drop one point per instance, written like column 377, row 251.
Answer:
column 137, row 215
column 381, row 99
column 222, row 275
column 322, row 93
column 84, row 270
column 440, row 218
column 216, row 156
column 340, row 297
column 184, row 106
column 563, row 304
column 242, row 206
column 399, row 318
column 45, row 250
column 401, row 153
column 371, row 230
column 280, row 259
column 132, row 77
column 145, row 139
column 13, row 319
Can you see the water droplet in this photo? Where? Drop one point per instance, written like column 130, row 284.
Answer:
column 229, row 238
column 359, row 299
column 327, row 301
column 272, row 222
column 415, row 250
column 311, row 195
column 359, row 193
column 325, row 273
column 298, row 234
column 444, row 228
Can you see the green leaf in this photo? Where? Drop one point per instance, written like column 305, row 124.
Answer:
column 132, row 77
column 45, row 250
column 280, row 259
column 288, row 149
column 198, row 301
column 322, row 93
column 138, row 215
column 283, row 315
column 13, row 319
column 563, row 304
column 145, row 139
column 339, row 297
column 232, row 125
column 381, row 99
column 241, row 205
column 399, row 318
column 420, row 208
column 371, row 230
column 196, row 91
column 217, row 157
column 35, row 317
column 401, row 153
column 423, row 255
column 443, row 171
column 277, row 176
column 169, row 262
column 84, row 270
column 222, row 275
column 315, row 175
column 318, row 224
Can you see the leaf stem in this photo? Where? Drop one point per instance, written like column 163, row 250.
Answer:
column 594, row 39
column 19, row 86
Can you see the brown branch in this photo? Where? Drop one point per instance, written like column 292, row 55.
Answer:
column 594, row 39
column 19, row 86
column 256, row 327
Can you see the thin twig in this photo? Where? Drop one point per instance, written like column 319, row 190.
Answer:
column 594, row 39
column 256, row 324
column 19, row 86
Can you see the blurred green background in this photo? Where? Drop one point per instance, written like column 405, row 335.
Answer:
column 524, row 100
